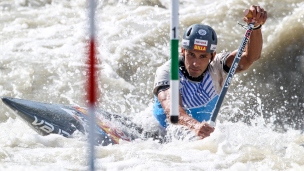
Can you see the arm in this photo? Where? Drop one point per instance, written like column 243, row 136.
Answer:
column 202, row 130
column 253, row 48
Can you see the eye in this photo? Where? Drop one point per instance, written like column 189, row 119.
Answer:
column 192, row 54
column 203, row 56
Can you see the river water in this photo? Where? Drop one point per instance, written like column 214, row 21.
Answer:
column 43, row 54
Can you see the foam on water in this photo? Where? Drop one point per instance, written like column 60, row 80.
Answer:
column 43, row 51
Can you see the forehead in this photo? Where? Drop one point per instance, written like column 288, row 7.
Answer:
column 197, row 52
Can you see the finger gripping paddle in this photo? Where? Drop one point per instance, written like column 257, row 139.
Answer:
column 248, row 14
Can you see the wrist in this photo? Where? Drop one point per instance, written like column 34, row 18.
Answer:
column 257, row 27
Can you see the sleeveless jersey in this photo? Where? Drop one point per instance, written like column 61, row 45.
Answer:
column 198, row 98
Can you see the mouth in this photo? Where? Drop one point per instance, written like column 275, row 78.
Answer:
column 195, row 70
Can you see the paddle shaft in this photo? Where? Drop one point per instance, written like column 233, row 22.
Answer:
column 230, row 74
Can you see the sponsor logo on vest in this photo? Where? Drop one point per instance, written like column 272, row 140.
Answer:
column 161, row 83
column 201, row 48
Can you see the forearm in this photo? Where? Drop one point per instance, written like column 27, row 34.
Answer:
column 254, row 46
column 252, row 51
column 184, row 118
column 202, row 130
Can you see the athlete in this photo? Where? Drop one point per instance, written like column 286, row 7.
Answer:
column 202, row 73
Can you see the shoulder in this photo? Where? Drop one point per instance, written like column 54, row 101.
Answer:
column 217, row 70
column 221, row 57
column 162, row 76
column 164, row 67
column 163, row 71
column 219, row 61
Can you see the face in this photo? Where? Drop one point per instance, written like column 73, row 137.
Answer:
column 196, row 62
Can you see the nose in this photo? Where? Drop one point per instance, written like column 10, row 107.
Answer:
column 195, row 63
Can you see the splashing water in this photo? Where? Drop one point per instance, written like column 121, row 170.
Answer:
column 42, row 58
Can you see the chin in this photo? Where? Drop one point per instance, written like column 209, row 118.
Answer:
column 194, row 75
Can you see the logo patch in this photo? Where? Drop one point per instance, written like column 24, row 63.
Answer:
column 185, row 42
column 200, row 48
column 201, row 42
column 213, row 47
column 202, row 32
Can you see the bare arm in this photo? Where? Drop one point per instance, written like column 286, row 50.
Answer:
column 253, row 48
column 201, row 129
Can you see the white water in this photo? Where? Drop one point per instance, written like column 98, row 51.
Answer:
column 42, row 45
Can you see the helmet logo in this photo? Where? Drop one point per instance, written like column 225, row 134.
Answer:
column 201, row 42
column 200, row 48
column 202, row 32
column 185, row 42
column 213, row 47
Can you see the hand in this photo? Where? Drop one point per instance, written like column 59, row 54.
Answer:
column 203, row 130
column 258, row 15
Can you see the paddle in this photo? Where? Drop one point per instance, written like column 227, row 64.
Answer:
column 232, row 70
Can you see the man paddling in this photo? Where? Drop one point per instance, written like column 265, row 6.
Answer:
column 202, row 73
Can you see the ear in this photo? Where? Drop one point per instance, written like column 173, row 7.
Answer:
column 213, row 55
column 183, row 52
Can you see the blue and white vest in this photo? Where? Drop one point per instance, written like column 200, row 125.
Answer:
column 198, row 99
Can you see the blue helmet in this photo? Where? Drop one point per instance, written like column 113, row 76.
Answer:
column 200, row 37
